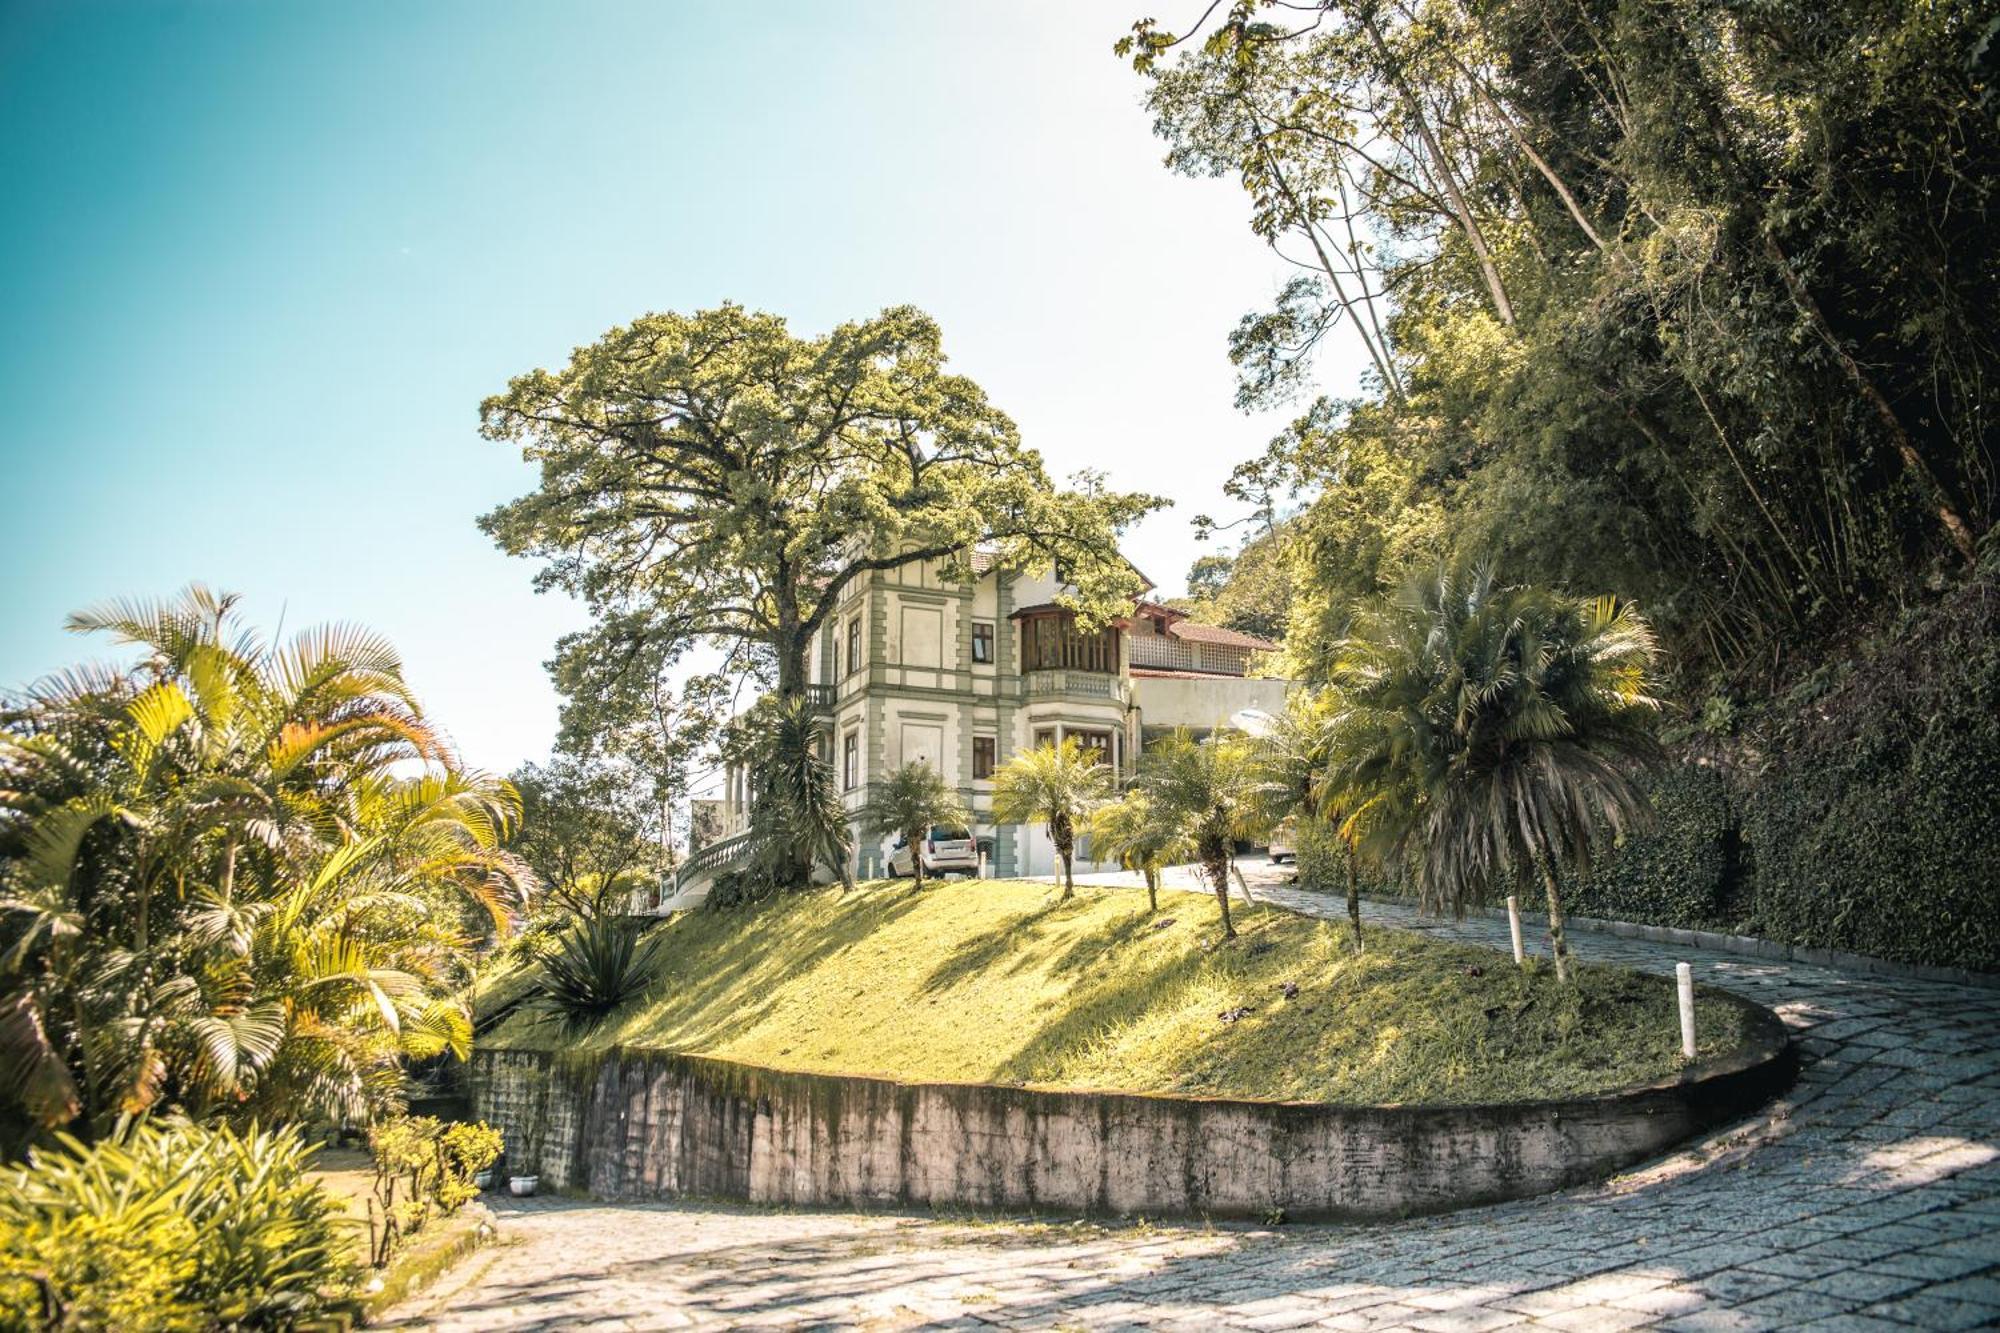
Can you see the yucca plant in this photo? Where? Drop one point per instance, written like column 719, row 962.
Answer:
column 1056, row 786
column 595, row 967
column 909, row 802
column 1504, row 727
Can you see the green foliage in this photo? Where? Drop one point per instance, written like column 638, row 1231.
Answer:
column 1056, row 786
column 221, row 885
column 1138, row 834
column 1652, row 295
column 1501, row 728
column 168, row 1226
column 797, row 819
column 423, row 1168
column 596, row 966
column 588, row 827
column 712, row 478
column 1856, row 814
column 908, row 802
column 1213, row 792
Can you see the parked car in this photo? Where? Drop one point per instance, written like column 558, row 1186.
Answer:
column 948, row 849
column 1284, row 843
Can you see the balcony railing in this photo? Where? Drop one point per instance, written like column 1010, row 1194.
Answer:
column 821, row 698
column 1168, row 654
column 1087, row 684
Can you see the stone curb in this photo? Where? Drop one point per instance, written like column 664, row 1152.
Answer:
column 1747, row 945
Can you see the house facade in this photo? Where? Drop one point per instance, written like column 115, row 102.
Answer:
column 963, row 677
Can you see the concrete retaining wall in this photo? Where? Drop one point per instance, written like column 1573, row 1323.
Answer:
column 654, row 1124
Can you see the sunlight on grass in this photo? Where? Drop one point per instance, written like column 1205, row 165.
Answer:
column 998, row 982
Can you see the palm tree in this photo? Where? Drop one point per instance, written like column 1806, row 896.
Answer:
column 1131, row 832
column 1295, row 763
column 915, row 797
column 1056, row 786
column 158, row 827
column 1210, row 790
column 1507, row 725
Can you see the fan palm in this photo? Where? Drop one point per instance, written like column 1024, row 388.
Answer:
column 1132, row 832
column 1211, row 791
column 913, row 798
column 1056, row 786
column 1506, row 726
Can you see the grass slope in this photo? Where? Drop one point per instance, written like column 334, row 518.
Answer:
column 998, row 982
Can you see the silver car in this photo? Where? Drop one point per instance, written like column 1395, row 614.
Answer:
column 948, row 849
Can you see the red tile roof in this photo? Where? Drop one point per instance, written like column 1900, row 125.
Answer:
column 1196, row 632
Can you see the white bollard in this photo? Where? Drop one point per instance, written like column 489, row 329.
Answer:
column 1685, row 975
column 1514, row 924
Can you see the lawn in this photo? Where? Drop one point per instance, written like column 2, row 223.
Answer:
column 997, row 981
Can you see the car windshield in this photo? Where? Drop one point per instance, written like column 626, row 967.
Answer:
column 948, row 833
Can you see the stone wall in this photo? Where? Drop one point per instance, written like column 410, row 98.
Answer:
column 654, row 1124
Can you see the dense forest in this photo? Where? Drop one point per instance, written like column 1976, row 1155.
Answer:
column 1693, row 302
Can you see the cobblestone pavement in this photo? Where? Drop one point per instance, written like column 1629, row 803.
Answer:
column 1868, row 1198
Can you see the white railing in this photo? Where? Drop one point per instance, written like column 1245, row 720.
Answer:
column 1088, row 684
column 1169, row 654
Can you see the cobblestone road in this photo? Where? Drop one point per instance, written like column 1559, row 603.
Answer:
column 1869, row 1198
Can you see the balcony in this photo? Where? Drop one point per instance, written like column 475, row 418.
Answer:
column 1075, row 684
column 1164, row 653
column 822, row 698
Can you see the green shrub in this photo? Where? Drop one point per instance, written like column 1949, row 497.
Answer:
column 1684, row 872
column 1858, row 811
column 169, row 1226
column 1321, row 860
column 422, row 1168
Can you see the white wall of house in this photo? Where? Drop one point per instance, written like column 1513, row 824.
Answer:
column 1202, row 703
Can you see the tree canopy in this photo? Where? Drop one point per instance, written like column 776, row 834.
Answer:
column 714, row 478
column 1688, row 299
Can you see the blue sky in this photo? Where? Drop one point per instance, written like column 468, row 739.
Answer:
column 259, row 263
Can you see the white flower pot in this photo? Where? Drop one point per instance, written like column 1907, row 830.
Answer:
column 522, row 1186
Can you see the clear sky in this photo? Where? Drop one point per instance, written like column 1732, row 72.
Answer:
column 259, row 263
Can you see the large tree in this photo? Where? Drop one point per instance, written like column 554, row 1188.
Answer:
column 713, row 478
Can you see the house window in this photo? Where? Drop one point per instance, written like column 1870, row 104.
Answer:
column 1095, row 744
column 1045, row 736
column 854, row 644
column 833, row 647
column 850, row 761
column 982, row 641
column 984, row 750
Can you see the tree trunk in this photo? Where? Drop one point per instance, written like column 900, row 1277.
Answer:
column 1447, row 179
column 916, row 860
column 1558, row 943
column 1216, row 864
column 1153, row 889
column 1927, row 481
column 1065, row 842
column 1354, row 898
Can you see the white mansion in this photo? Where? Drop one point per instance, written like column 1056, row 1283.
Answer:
column 962, row 677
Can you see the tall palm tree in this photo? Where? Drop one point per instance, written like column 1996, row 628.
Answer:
column 913, row 798
column 1507, row 726
column 1056, row 786
column 155, row 822
column 1211, row 790
column 1131, row 831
